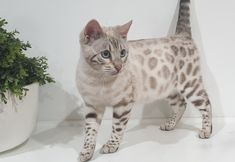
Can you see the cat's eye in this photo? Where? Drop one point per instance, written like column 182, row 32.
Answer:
column 123, row 53
column 105, row 54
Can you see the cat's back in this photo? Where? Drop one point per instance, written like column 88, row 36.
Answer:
column 149, row 53
column 153, row 45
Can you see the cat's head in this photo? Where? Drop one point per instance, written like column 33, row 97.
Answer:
column 105, row 48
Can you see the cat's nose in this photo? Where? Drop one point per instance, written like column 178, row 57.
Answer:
column 118, row 67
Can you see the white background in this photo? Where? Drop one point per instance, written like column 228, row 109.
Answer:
column 53, row 26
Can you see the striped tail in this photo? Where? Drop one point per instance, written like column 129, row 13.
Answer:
column 183, row 25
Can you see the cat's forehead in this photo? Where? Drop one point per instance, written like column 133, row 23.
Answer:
column 115, row 43
column 110, row 31
column 111, row 40
column 110, row 43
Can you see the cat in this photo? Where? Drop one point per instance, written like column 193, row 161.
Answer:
column 119, row 73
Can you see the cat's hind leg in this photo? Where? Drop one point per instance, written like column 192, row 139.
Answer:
column 178, row 105
column 197, row 95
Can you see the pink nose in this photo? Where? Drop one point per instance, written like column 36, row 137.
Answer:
column 118, row 67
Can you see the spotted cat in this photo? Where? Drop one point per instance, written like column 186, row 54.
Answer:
column 119, row 73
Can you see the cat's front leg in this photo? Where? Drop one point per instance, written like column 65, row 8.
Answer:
column 121, row 115
column 93, row 119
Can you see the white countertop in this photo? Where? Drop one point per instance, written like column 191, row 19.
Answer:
column 143, row 142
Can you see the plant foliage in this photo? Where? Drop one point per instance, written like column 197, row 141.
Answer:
column 16, row 69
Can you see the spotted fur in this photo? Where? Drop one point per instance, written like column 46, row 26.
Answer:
column 138, row 71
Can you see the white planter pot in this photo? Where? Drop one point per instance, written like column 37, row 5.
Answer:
column 18, row 119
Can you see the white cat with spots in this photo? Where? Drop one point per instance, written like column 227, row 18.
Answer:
column 119, row 73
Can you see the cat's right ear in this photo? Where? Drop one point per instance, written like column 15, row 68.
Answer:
column 92, row 31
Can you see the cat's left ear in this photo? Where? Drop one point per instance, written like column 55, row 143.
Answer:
column 123, row 29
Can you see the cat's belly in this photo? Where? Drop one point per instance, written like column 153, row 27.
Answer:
column 149, row 95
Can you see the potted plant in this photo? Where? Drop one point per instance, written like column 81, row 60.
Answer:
column 20, row 77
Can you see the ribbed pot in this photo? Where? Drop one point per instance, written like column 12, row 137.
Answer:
column 18, row 118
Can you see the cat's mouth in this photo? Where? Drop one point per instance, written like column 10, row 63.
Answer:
column 116, row 72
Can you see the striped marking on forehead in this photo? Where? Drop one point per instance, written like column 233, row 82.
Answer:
column 114, row 44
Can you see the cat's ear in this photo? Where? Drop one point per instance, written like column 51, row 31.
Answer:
column 92, row 31
column 123, row 29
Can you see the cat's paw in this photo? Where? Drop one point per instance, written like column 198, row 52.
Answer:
column 168, row 125
column 86, row 155
column 205, row 133
column 109, row 148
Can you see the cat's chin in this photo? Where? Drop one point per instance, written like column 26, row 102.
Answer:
column 113, row 74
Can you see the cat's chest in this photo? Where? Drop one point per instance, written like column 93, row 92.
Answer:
column 104, row 93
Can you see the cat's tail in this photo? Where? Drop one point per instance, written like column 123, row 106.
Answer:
column 183, row 25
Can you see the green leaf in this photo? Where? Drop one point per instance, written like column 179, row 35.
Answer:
column 16, row 69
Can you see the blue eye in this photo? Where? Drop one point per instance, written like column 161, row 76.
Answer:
column 105, row 54
column 123, row 53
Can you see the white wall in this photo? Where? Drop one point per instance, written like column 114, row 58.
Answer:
column 53, row 26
